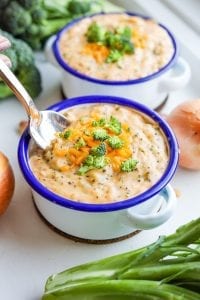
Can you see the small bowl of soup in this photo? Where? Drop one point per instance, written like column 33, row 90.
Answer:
column 107, row 174
column 120, row 54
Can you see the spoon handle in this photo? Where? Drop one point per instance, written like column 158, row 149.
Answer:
column 22, row 95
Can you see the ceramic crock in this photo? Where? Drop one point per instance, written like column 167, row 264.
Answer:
column 112, row 221
column 151, row 90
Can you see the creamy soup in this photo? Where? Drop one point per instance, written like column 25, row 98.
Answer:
column 109, row 153
column 116, row 47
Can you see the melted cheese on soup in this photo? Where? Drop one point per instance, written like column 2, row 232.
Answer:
column 109, row 153
column 118, row 47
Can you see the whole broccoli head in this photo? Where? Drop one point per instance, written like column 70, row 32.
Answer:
column 15, row 18
column 29, row 3
column 23, row 65
column 13, row 57
column 25, row 57
column 31, row 80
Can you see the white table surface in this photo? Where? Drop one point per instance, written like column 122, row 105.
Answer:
column 29, row 250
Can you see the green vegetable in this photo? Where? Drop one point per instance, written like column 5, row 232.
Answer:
column 118, row 41
column 115, row 142
column 101, row 122
column 78, row 7
column 15, row 19
column 66, row 134
column 129, row 165
column 114, row 125
column 34, row 21
column 80, row 143
column 23, row 65
column 167, row 269
column 100, row 134
column 99, row 150
column 120, row 290
column 95, row 33
column 92, row 162
column 113, row 56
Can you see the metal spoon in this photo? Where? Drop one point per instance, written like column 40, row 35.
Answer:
column 42, row 124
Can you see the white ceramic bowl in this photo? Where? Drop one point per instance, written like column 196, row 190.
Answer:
column 102, row 222
column 151, row 90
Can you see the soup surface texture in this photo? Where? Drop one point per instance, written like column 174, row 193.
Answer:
column 116, row 47
column 109, row 153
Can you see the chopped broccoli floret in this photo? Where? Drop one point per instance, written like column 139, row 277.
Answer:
column 114, row 56
column 95, row 33
column 66, row 134
column 89, row 161
column 129, row 165
column 100, row 134
column 101, row 122
column 84, row 169
column 115, row 142
column 80, row 143
column 125, row 32
column 117, row 41
column 100, row 162
column 96, row 162
column 92, row 162
column 120, row 40
column 114, row 125
column 99, row 150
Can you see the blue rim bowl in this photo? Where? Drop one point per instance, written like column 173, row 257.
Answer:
column 23, row 157
column 72, row 71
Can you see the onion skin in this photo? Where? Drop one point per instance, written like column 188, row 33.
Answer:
column 7, row 183
column 185, row 122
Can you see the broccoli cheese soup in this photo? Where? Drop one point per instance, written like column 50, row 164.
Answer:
column 107, row 154
column 116, row 47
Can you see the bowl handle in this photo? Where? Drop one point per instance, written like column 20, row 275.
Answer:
column 148, row 221
column 179, row 76
column 48, row 51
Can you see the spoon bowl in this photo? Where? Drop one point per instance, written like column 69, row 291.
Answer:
column 42, row 124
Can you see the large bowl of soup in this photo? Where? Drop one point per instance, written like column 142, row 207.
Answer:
column 120, row 54
column 107, row 174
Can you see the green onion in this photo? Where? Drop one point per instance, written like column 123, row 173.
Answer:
column 167, row 269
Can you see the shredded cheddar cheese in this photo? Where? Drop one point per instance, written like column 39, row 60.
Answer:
column 65, row 145
column 98, row 52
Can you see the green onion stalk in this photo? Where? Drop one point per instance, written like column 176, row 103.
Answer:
column 166, row 269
